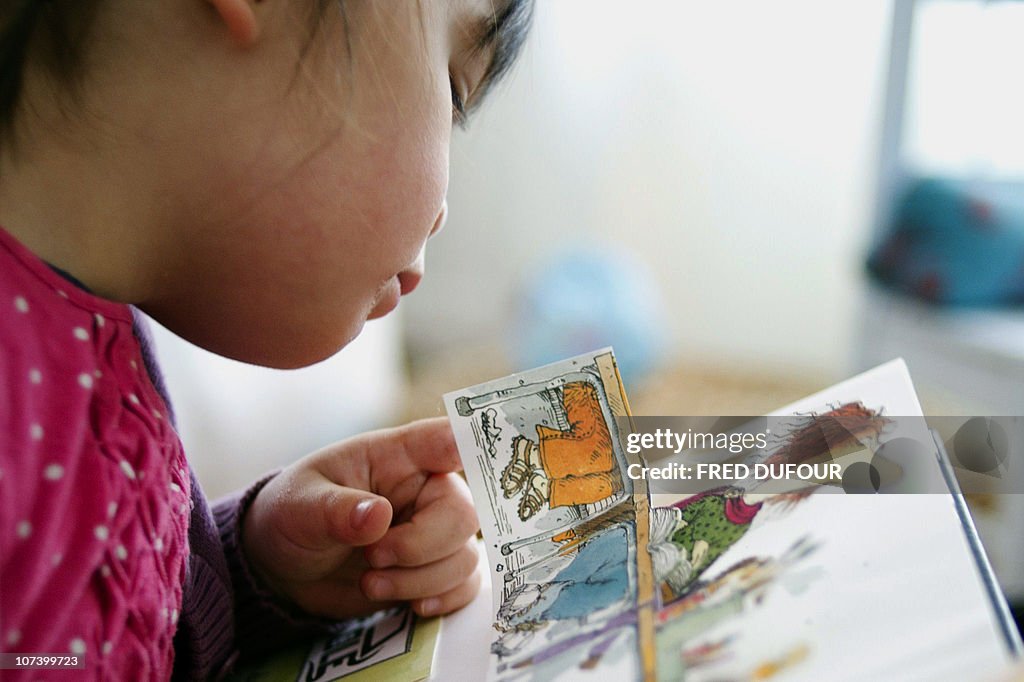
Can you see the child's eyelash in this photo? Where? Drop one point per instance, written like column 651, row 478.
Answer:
column 458, row 105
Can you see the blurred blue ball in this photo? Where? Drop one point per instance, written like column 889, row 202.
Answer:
column 582, row 300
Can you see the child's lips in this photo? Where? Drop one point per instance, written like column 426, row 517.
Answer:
column 409, row 280
column 398, row 286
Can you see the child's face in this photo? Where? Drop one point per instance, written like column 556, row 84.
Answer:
column 309, row 185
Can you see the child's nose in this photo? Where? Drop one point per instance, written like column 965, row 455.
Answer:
column 439, row 222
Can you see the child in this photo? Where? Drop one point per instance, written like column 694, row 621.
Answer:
column 260, row 176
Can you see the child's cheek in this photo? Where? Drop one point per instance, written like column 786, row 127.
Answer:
column 382, row 200
column 401, row 190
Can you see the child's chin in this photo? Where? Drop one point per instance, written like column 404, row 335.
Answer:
column 287, row 353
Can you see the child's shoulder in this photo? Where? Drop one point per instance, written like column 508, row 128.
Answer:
column 27, row 283
column 70, row 364
column 47, row 321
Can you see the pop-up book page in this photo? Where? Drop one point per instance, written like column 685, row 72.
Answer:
column 800, row 582
column 600, row 572
column 562, row 521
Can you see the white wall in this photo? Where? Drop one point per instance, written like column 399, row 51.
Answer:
column 728, row 145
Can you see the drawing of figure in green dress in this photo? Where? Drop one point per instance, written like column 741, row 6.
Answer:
column 689, row 536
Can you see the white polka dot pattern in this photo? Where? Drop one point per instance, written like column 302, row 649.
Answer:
column 95, row 477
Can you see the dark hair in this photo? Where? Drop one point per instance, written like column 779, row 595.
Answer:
column 506, row 30
column 53, row 31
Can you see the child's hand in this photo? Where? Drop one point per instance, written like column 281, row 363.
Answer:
column 392, row 493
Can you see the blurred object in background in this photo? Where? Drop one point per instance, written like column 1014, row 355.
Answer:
column 237, row 421
column 955, row 244
column 953, row 110
column 581, row 299
column 950, row 201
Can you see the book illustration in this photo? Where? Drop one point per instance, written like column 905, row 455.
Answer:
column 705, row 527
column 562, row 522
column 815, row 576
column 595, row 577
column 572, row 465
column 689, row 536
column 490, row 431
column 362, row 643
column 813, row 436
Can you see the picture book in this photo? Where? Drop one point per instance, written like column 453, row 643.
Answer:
column 828, row 538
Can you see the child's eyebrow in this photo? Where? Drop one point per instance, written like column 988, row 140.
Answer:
column 503, row 32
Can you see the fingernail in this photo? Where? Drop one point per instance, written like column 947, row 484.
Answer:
column 429, row 607
column 382, row 558
column 378, row 587
column 360, row 513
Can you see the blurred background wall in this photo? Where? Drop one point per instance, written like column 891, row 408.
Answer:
column 727, row 147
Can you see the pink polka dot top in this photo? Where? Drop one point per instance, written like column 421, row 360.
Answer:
column 94, row 488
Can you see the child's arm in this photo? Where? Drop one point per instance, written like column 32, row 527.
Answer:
column 392, row 493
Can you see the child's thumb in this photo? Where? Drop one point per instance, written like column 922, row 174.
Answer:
column 356, row 517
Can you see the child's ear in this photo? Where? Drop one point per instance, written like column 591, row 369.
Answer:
column 239, row 17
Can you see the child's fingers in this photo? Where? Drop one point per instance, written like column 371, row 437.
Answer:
column 436, row 529
column 320, row 514
column 387, row 461
column 427, row 444
column 452, row 600
column 302, row 525
column 437, row 578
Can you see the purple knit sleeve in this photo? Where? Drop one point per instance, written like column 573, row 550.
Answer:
column 227, row 615
column 263, row 621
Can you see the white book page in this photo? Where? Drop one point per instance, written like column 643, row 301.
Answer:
column 889, row 588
